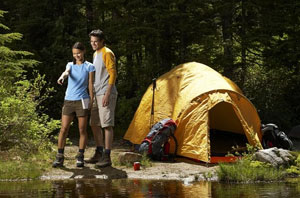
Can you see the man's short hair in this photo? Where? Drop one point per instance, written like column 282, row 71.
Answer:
column 97, row 33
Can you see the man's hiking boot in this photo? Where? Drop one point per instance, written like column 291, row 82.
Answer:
column 96, row 158
column 80, row 160
column 104, row 162
column 59, row 160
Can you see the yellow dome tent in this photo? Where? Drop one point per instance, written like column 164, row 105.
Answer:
column 209, row 109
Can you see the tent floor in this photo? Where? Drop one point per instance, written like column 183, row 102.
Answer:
column 224, row 142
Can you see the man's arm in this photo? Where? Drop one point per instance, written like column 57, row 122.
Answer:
column 91, row 89
column 110, row 64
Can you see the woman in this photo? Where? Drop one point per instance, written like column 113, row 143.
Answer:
column 77, row 102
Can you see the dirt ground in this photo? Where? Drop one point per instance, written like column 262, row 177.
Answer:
column 182, row 169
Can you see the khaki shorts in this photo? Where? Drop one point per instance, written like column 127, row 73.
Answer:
column 103, row 116
column 74, row 108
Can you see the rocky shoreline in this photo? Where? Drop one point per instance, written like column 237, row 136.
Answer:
column 178, row 170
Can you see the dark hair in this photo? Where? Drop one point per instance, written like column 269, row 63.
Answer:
column 98, row 33
column 79, row 46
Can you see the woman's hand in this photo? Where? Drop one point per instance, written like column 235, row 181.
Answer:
column 91, row 104
column 60, row 81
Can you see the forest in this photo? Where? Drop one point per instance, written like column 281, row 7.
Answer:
column 254, row 43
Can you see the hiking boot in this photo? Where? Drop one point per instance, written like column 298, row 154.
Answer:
column 80, row 160
column 59, row 160
column 104, row 162
column 96, row 158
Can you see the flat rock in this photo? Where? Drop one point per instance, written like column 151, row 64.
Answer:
column 276, row 157
column 129, row 157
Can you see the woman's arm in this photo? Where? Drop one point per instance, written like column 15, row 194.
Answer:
column 63, row 76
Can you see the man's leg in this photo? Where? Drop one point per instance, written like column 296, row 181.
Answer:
column 109, row 136
column 106, row 115
column 106, row 160
column 98, row 137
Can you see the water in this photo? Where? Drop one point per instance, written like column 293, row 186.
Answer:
column 119, row 188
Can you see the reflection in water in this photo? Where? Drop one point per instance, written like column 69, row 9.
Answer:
column 135, row 188
column 273, row 190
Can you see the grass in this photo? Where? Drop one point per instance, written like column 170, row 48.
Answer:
column 146, row 161
column 19, row 170
column 248, row 170
column 295, row 168
column 116, row 162
column 16, row 165
column 245, row 171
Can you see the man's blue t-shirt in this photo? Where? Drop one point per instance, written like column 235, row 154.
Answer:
column 78, row 80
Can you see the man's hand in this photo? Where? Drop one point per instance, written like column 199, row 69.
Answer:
column 105, row 100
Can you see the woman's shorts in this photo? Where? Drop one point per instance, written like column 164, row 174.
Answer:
column 74, row 108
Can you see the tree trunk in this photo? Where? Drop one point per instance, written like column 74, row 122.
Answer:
column 227, row 39
column 89, row 15
column 243, row 43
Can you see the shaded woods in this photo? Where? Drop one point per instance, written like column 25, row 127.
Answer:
column 252, row 42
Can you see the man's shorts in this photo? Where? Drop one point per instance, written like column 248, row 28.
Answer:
column 103, row 116
column 74, row 108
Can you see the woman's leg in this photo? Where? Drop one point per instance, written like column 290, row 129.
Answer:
column 65, row 125
column 82, row 124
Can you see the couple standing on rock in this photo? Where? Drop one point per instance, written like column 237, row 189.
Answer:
column 99, row 79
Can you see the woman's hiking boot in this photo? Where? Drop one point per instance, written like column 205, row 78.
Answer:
column 80, row 159
column 96, row 158
column 104, row 162
column 59, row 160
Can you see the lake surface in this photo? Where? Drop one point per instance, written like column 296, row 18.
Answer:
column 119, row 188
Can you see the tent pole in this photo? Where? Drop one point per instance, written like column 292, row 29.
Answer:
column 152, row 106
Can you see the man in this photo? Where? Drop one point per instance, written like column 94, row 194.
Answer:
column 106, row 97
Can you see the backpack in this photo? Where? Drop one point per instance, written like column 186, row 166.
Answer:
column 273, row 137
column 156, row 144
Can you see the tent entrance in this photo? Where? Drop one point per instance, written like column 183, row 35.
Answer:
column 226, row 131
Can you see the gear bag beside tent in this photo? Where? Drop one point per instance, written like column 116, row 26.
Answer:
column 211, row 113
column 156, row 144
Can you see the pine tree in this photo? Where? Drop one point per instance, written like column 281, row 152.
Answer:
column 22, row 123
column 12, row 62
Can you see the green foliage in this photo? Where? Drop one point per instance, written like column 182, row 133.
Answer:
column 12, row 62
column 22, row 124
column 297, row 161
column 19, row 170
column 266, row 87
column 125, row 111
column 245, row 170
column 17, row 164
column 251, row 42
column 295, row 169
column 146, row 161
